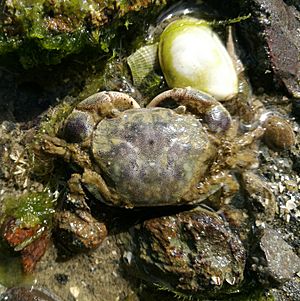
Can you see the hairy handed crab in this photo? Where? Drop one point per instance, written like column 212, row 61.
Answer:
column 184, row 148
column 154, row 156
column 157, row 156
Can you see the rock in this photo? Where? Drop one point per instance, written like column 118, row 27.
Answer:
column 31, row 242
column 78, row 232
column 47, row 32
column 25, row 294
column 261, row 200
column 278, row 263
column 189, row 253
column 25, row 225
column 32, row 253
column 289, row 291
column 272, row 41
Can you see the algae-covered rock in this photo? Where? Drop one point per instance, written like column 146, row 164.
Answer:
column 25, row 226
column 45, row 31
column 31, row 209
column 192, row 253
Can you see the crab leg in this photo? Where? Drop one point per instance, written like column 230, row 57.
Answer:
column 215, row 115
column 97, row 187
column 76, row 195
column 211, row 185
column 249, row 137
column 69, row 152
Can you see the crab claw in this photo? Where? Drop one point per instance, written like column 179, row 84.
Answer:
column 81, row 122
column 213, row 112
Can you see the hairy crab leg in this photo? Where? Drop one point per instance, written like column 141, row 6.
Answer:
column 250, row 137
column 97, row 186
column 95, row 183
column 211, row 185
column 76, row 195
column 213, row 112
column 69, row 152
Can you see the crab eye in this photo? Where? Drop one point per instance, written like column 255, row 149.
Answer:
column 78, row 127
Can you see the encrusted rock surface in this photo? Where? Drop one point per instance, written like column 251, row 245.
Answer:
column 279, row 263
column 273, row 42
column 45, row 31
column 192, row 252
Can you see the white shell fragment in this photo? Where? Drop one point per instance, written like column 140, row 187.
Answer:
column 191, row 54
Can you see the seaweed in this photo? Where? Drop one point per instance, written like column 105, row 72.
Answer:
column 46, row 31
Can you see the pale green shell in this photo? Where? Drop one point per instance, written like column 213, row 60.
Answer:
column 191, row 54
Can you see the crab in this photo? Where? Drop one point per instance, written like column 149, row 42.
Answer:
column 153, row 156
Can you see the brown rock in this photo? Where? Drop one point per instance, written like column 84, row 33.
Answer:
column 273, row 42
column 32, row 253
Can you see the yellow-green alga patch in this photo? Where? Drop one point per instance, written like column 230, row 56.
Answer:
column 46, row 31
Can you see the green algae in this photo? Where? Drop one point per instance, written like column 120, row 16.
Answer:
column 46, row 31
column 53, row 121
column 31, row 209
column 11, row 272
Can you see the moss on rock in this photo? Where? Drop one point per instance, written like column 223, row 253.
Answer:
column 45, row 31
column 31, row 209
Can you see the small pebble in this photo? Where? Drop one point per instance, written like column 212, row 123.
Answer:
column 61, row 278
column 279, row 133
column 75, row 291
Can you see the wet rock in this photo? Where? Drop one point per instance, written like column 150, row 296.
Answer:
column 261, row 200
column 272, row 43
column 190, row 253
column 25, row 294
column 278, row 263
column 25, row 225
column 32, row 253
column 78, row 232
column 289, row 291
column 239, row 221
column 32, row 242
